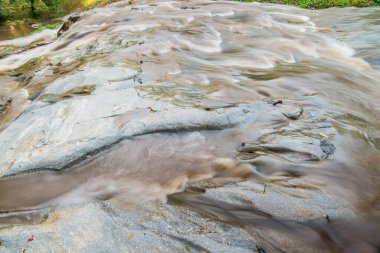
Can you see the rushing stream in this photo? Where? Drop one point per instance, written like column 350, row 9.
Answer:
column 171, row 101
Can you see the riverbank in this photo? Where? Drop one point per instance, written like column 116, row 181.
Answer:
column 23, row 11
column 18, row 20
column 44, row 9
column 322, row 4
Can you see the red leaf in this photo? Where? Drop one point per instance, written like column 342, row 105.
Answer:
column 30, row 239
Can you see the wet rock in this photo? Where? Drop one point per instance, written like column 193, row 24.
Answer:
column 258, row 150
column 297, row 141
column 64, row 126
column 12, row 107
column 26, row 71
column 294, row 115
column 9, row 47
column 98, row 227
column 293, row 203
column 67, row 24
column 4, row 105
column 279, row 207
column 81, row 91
column 114, row 226
column 57, row 135
column 273, row 101
column 327, row 147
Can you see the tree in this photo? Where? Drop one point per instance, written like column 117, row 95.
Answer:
column 55, row 5
column 33, row 9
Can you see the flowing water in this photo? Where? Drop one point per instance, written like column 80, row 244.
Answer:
column 210, row 55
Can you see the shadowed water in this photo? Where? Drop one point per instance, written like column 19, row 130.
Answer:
column 210, row 55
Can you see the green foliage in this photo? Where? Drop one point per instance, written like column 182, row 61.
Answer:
column 188, row 247
column 55, row 5
column 21, row 9
column 14, row 10
column 320, row 4
column 43, row 9
column 50, row 26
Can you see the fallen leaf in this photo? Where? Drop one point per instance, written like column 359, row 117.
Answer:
column 30, row 239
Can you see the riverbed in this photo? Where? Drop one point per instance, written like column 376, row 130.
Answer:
column 193, row 126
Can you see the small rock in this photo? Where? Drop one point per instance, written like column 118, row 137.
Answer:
column 327, row 147
column 294, row 115
column 70, row 21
